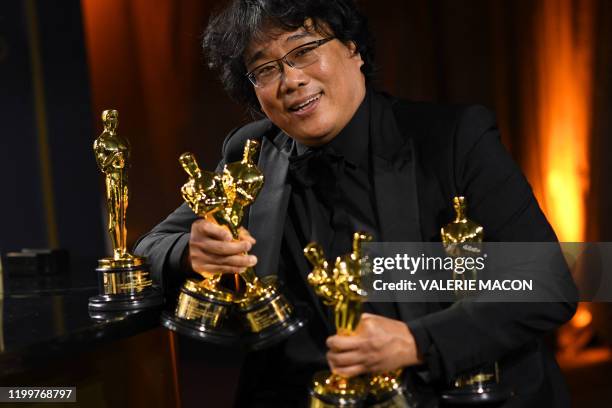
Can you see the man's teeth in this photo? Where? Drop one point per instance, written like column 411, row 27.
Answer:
column 302, row 105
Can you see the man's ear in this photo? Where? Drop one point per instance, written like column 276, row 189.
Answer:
column 352, row 47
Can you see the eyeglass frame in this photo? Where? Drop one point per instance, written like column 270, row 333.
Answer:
column 251, row 76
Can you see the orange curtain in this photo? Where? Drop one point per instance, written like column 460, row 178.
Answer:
column 144, row 59
column 557, row 108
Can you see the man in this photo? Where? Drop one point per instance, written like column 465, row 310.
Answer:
column 339, row 157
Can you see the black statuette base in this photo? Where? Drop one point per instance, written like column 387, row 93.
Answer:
column 197, row 330
column 148, row 299
column 277, row 333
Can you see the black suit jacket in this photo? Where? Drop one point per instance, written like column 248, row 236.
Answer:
column 422, row 156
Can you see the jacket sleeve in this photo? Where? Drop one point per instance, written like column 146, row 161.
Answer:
column 165, row 245
column 469, row 333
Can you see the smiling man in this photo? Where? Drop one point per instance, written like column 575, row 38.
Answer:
column 339, row 157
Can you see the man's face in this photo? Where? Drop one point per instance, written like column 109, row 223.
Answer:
column 334, row 86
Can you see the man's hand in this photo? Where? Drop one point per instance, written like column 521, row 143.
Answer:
column 212, row 250
column 378, row 345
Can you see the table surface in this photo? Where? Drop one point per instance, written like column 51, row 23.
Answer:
column 52, row 323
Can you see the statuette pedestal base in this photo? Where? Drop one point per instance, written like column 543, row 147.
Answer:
column 125, row 285
column 268, row 316
column 330, row 391
column 202, row 313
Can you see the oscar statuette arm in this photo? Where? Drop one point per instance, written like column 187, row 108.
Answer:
column 117, row 160
column 165, row 245
column 104, row 155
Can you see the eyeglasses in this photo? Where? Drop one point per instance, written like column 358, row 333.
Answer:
column 299, row 57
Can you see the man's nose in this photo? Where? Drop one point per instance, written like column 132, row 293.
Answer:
column 293, row 78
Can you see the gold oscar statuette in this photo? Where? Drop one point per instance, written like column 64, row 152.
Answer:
column 481, row 384
column 265, row 312
column 203, row 306
column 340, row 288
column 124, row 280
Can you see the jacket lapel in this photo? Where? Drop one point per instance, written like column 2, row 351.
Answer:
column 267, row 213
column 393, row 162
column 395, row 183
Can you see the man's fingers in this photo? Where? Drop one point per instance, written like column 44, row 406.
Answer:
column 223, row 248
column 345, row 359
column 240, row 260
column 244, row 235
column 344, row 343
column 212, row 268
column 211, row 230
column 213, row 250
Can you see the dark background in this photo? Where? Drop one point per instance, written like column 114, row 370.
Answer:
column 544, row 66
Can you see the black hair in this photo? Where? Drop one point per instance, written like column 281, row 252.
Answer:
column 230, row 31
